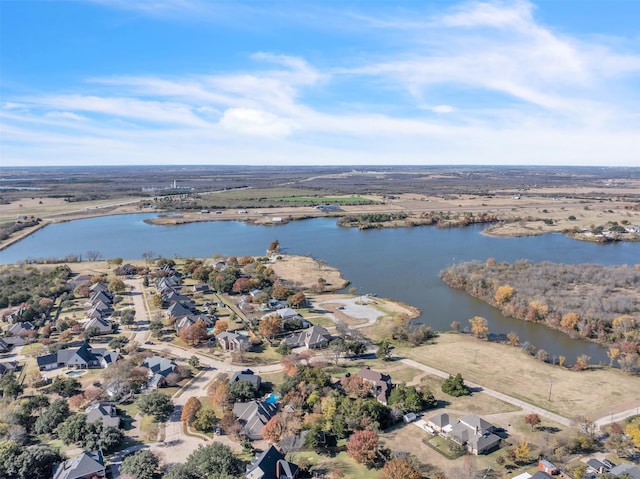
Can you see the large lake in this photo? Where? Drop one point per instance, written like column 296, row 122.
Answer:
column 401, row 264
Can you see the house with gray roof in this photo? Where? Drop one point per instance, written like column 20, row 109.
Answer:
column 470, row 431
column 87, row 465
column 381, row 382
column 271, row 464
column 101, row 296
column 630, row 469
column 247, row 376
column 253, row 415
column 178, row 310
column 4, row 346
column 312, row 338
column 159, row 369
column 8, row 367
column 191, row 319
column 21, row 329
column 82, row 357
column 103, row 326
column 439, row 422
column 103, row 411
column 99, row 286
column 232, row 341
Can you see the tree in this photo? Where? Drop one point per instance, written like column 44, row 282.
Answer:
column 72, row 429
column 633, row 431
column 454, row 386
column 180, row 471
column 194, row 334
column 569, row 321
column 522, row 451
column 532, row 419
column 241, row 285
column 220, row 327
column 142, row 464
column 156, row 328
column 194, row 362
column 156, row 404
column 242, row 391
column 619, row 443
column 274, row 247
column 221, row 397
column 273, row 429
column 118, row 342
column 66, row 387
column 10, row 386
column 384, row 350
column 363, row 447
column 479, row 326
column 270, row 326
column 513, row 338
column 117, row 286
column 297, row 300
column 400, row 468
column 190, row 409
column 205, row 420
column 93, row 255
column 49, row 419
column 354, row 385
column 503, row 294
column 337, row 348
column 214, row 461
column 32, row 462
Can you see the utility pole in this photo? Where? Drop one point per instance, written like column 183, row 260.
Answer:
column 550, row 386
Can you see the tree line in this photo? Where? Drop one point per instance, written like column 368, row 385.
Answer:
column 589, row 301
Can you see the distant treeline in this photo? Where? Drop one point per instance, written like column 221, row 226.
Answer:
column 600, row 303
column 7, row 229
column 440, row 219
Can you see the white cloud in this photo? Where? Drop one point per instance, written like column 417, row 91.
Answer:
column 255, row 122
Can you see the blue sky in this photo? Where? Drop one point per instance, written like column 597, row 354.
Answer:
column 107, row 82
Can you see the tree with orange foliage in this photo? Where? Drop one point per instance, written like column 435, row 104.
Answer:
column 222, row 397
column 354, row 385
column 532, row 419
column 569, row 321
column 400, row 469
column 504, row 294
column 479, row 326
column 270, row 326
column 194, row 334
column 220, row 327
column 290, row 364
column 363, row 447
column 192, row 406
column 272, row 431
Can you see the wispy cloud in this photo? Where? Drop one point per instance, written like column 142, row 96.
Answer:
column 484, row 82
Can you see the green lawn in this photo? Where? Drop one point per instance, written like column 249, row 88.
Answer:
column 341, row 461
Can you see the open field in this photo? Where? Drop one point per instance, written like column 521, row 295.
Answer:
column 593, row 393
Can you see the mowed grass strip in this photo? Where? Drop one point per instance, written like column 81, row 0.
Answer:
column 592, row 393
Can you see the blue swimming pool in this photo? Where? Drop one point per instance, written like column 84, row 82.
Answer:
column 272, row 398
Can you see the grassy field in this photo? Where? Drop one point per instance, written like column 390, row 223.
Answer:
column 511, row 371
column 341, row 461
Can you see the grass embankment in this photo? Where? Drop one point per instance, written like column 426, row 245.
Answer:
column 511, row 371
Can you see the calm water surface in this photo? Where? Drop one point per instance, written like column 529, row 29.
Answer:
column 402, row 263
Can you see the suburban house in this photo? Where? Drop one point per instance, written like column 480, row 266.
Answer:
column 83, row 356
column 631, row 470
column 247, row 376
column 97, row 287
column 470, row 431
column 100, row 310
column 173, row 297
column 191, row 319
column 4, row 346
column 21, row 329
column 253, row 415
column 103, row 326
column 101, row 296
column 232, row 341
column 548, row 467
column 381, row 382
column 8, row 367
column 284, row 314
column 201, row 288
column 103, row 411
column 271, row 464
column 109, row 358
column 87, row 465
column 178, row 310
column 313, row 338
column 159, row 369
